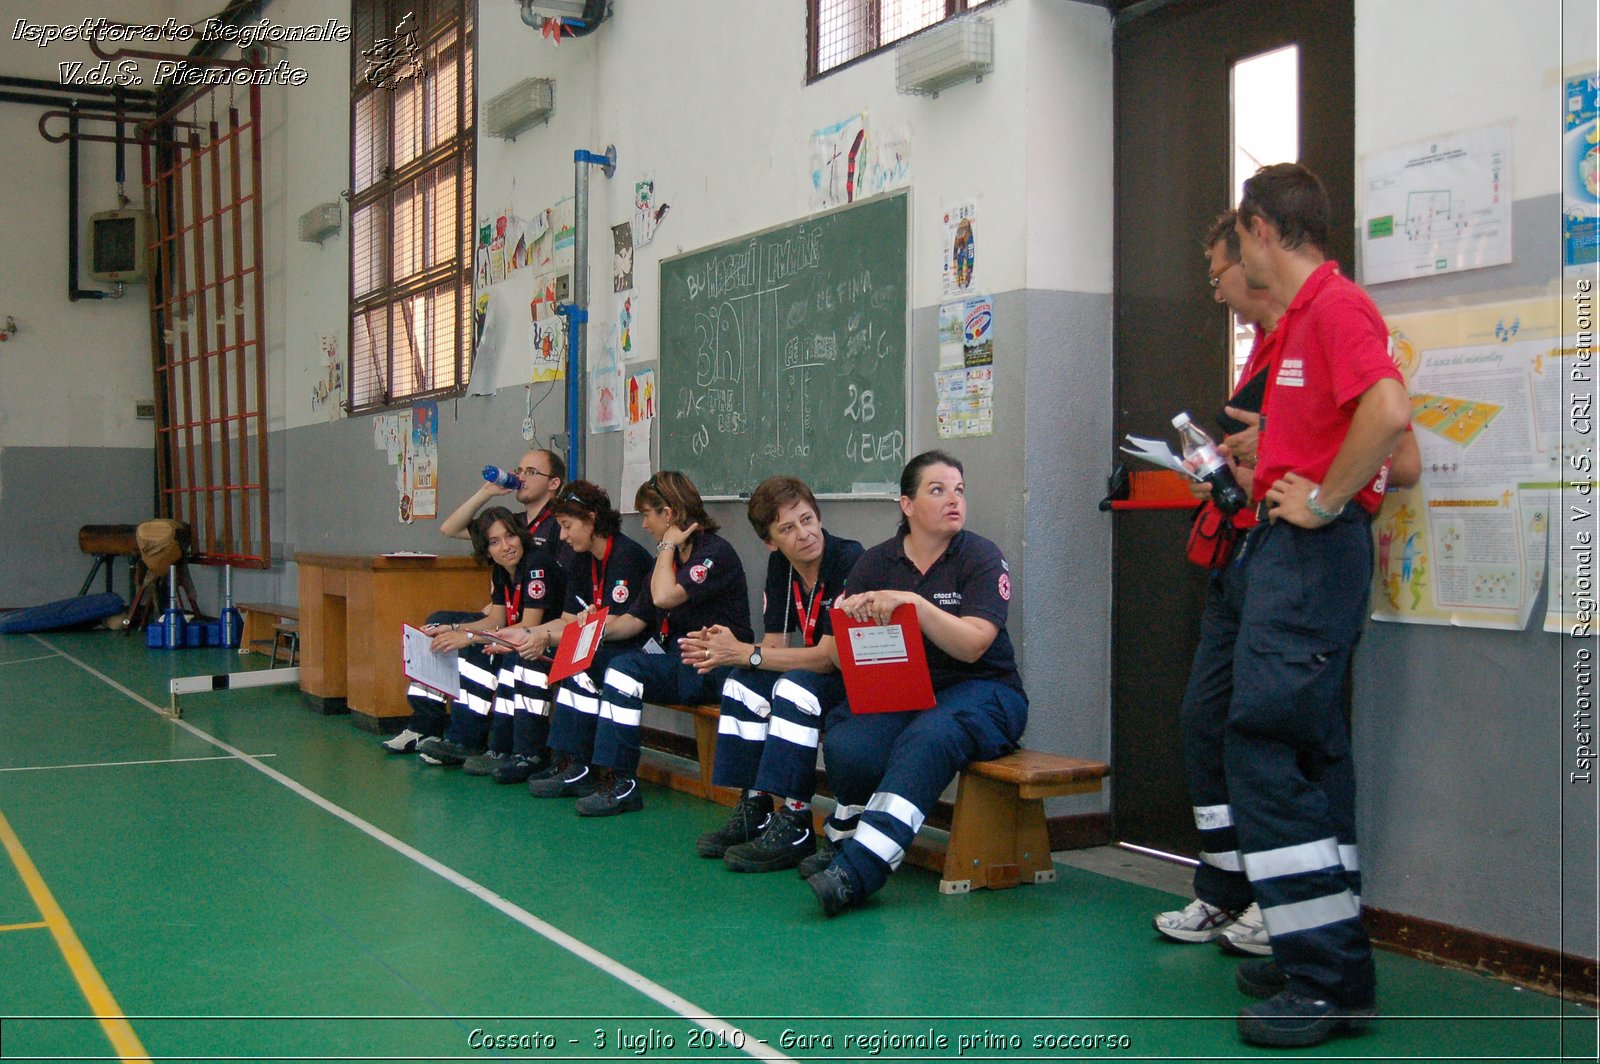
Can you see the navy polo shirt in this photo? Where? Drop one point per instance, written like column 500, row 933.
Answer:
column 970, row 579
column 624, row 586
column 779, row 614
column 546, row 534
column 543, row 584
column 714, row 578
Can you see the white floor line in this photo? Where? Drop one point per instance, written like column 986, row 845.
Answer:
column 614, row 968
column 24, row 661
column 120, row 764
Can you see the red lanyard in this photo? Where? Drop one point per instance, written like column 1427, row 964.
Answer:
column 665, row 615
column 537, row 524
column 514, row 601
column 597, row 572
column 807, row 616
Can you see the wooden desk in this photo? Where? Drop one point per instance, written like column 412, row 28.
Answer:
column 352, row 607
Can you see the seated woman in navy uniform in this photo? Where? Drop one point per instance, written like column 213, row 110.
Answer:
column 525, row 585
column 609, row 570
column 697, row 582
column 888, row 769
column 773, row 701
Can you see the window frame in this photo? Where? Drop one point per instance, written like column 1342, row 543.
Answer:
column 442, row 19
column 952, row 9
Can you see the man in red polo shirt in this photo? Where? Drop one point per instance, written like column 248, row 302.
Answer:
column 1335, row 407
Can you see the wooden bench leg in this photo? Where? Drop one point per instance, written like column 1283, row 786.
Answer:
column 705, row 743
column 997, row 839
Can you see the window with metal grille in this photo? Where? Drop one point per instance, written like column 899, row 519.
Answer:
column 412, row 136
column 843, row 31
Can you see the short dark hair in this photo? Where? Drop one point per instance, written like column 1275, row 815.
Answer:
column 911, row 476
column 584, row 501
column 558, row 467
column 1225, row 231
column 772, row 495
column 671, row 488
column 479, row 531
column 1293, row 200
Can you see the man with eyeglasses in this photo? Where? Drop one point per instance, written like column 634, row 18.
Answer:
column 1223, row 909
column 542, row 473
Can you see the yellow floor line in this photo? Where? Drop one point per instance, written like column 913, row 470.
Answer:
column 23, row 927
column 106, row 1010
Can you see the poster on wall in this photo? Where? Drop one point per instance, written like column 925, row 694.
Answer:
column 635, row 463
column 890, row 162
column 420, row 499
column 1468, row 545
column 563, row 223
column 1580, row 174
column 960, row 249
column 838, row 162
column 622, row 257
column 641, row 396
column 1437, row 206
column 964, row 402
column 547, row 344
column 647, row 213
column 605, row 385
column 966, row 332
column 625, row 308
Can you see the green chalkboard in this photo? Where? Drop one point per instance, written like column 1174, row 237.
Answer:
column 785, row 352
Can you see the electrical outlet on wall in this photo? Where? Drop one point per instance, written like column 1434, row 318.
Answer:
column 144, row 410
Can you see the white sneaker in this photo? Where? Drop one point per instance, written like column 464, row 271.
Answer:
column 1195, row 922
column 403, row 743
column 1247, row 935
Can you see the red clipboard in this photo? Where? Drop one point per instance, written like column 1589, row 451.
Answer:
column 885, row 666
column 577, row 647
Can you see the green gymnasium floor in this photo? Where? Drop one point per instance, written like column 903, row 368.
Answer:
column 259, row 882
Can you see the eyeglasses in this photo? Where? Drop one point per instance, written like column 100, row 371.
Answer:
column 529, row 471
column 1214, row 277
column 570, row 496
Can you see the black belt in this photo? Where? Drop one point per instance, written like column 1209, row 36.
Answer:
column 1351, row 508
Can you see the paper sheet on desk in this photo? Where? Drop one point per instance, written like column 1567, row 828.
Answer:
column 427, row 666
column 1156, row 452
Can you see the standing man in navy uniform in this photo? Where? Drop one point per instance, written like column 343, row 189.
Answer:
column 1335, row 408
column 774, row 700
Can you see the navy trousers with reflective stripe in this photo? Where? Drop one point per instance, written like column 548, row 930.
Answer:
column 575, row 708
column 634, row 679
column 530, row 722
column 770, row 727
column 1287, row 754
column 895, row 766
column 474, row 723
column 430, row 710
column 1219, row 879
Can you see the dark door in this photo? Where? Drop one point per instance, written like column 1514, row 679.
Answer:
column 1173, row 64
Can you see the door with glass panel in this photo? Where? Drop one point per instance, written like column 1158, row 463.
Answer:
column 1206, row 90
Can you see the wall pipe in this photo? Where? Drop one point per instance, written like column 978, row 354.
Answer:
column 74, row 293
column 577, row 311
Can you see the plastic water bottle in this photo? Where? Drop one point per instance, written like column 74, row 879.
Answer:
column 1200, row 455
column 502, row 477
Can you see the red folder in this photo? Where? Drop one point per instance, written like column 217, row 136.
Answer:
column 577, row 647
column 885, row 666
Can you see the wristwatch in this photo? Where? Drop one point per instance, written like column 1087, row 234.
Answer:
column 755, row 657
column 1314, row 504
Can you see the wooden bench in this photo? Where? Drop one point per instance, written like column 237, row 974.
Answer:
column 260, row 624
column 705, row 744
column 998, row 835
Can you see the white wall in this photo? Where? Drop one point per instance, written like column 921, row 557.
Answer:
column 1431, row 67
